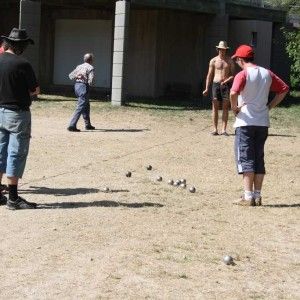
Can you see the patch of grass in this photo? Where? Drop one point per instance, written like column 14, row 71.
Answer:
column 285, row 116
column 295, row 94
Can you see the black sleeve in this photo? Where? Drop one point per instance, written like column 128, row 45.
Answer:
column 30, row 78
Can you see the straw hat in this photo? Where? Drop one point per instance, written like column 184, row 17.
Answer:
column 222, row 45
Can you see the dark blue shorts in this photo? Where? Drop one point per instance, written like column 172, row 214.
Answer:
column 220, row 92
column 249, row 149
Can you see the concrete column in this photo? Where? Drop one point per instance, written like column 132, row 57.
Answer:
column 216, row 31
column 30, row 19
column 119, row 53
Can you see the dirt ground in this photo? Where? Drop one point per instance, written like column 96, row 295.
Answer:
column 146, row 239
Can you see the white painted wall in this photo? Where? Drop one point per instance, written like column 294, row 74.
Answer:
column 240, row 32
column 74, row 38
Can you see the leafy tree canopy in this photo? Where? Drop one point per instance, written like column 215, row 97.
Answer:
column 292, row 38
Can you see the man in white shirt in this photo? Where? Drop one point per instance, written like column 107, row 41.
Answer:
column 249, row 102
column 84, row 76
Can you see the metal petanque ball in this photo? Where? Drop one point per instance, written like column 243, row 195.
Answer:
column 183, row 181
column 158, row 178
column 171, row 182
column 192, row 189
column 228, row 260
column 177, row 183
column 149, row 167
column 128, row 174
column 183, row 185
column 106, row 189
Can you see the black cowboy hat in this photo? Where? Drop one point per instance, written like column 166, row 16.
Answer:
column 18, row 35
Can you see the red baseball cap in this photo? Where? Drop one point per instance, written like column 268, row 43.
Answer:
column 243, row 51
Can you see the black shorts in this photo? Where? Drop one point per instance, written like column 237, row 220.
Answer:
column 220, row 92
column 249, row 149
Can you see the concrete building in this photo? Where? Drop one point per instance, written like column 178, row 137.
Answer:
column 143, row 48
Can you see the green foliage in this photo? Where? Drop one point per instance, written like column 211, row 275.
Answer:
column 293, row 50
column 292, row 38
column 292, row 6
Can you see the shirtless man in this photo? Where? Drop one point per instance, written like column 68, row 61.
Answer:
column 220, row 72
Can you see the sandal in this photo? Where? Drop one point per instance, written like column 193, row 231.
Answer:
column 225, row 133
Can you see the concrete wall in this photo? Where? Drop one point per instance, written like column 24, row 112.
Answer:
column 240, row 32
column 166, row 53
column 141, row 59
column 181, row 52
column 9, row 17
column 49, row 17
column 30, row 20
column 168, row 50
column 95, row 36
column 215, row 31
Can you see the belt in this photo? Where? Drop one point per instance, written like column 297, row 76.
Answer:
column 15, row 108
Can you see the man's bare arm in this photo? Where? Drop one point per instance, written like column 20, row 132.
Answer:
column 231, row 72
column 35, row 92
column 277, row 99
column 209, row 77
column 234, row 102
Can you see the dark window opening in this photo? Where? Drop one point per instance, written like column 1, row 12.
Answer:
column 254, row 39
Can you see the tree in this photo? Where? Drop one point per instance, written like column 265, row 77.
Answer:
column 292, row 37
column 293, row 51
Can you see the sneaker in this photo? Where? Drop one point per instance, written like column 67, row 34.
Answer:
column 243, row 202
column 89, row 127
column 214, row 133
column 3, row 199
column 20, row 203
column 72, row 128
column 3, row 187
column 258, row 201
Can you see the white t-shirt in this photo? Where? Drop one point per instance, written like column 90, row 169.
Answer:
column 253, row 85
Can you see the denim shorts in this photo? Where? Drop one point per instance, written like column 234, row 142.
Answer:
column 249, row 149
column 15, row 131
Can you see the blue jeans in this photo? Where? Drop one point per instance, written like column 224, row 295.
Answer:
column 15, row 130
column 83, row 104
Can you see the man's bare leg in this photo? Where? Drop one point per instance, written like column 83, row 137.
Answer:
column 248, row 179
column 225, row 106
column 258, row 182
column 215, row 115
column 12, row 180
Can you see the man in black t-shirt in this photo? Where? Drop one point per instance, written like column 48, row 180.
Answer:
column 17, row 84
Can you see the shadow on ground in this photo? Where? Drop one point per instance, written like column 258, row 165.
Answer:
column 282, row 205
column 66, row 191
column 104, row 203
column 281, row 135
column 117, row 130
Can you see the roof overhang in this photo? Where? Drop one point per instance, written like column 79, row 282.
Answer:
column 201, row 6
column 235, row 9
column 242, row 9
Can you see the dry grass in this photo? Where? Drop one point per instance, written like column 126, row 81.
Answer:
column 146, row 239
